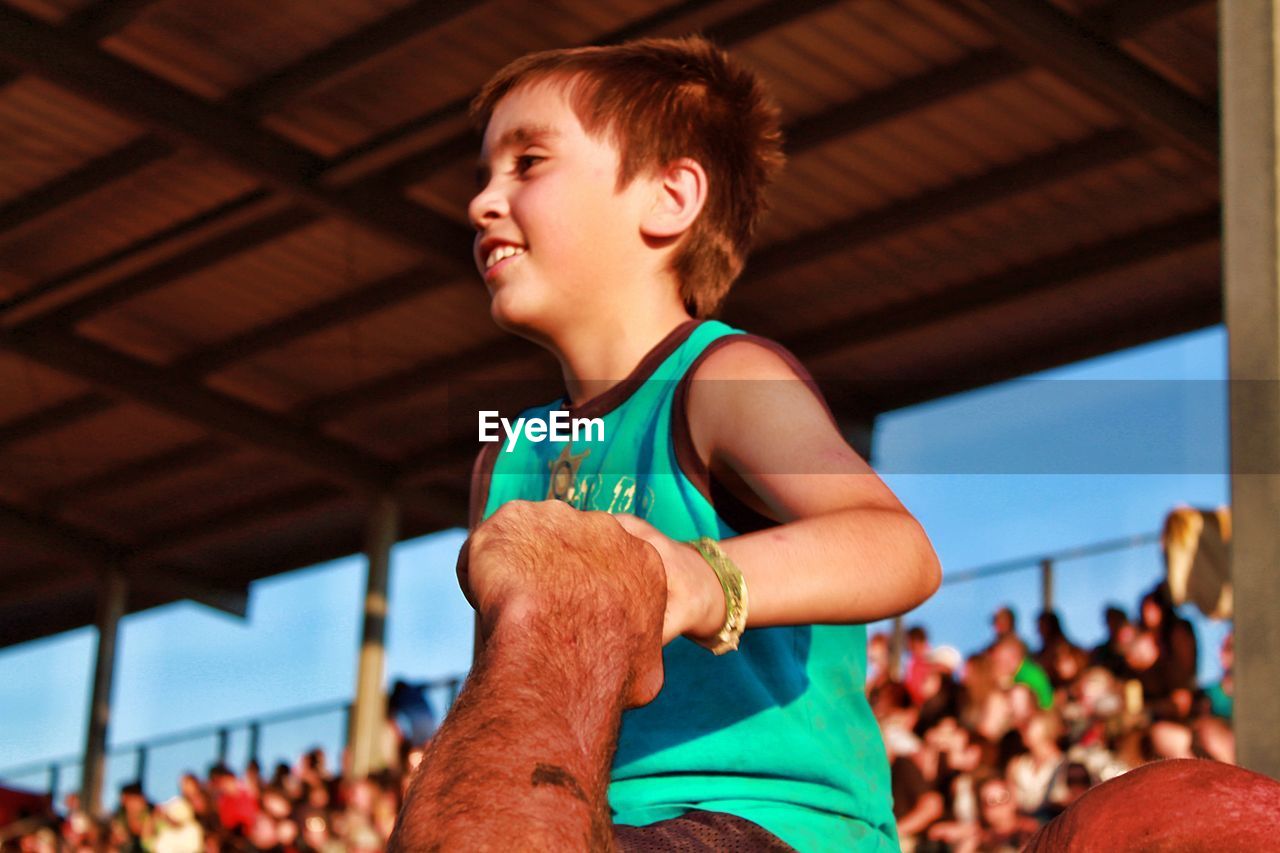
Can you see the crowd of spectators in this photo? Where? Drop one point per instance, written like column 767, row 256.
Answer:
column 304, row 808
column 986, row 750
column 982, row 751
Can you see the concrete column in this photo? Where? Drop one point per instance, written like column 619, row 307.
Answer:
column 370, row 710
column 1251, row 274
column 111, row 606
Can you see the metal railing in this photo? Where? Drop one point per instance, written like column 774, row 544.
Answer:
column 57, row 772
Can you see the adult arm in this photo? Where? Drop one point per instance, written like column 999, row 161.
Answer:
column 526, row 750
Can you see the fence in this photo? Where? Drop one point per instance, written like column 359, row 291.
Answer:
column 159, row 762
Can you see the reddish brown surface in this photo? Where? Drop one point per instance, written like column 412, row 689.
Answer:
column 1181, row 804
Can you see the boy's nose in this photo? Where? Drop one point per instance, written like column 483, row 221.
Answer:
column 488, row 205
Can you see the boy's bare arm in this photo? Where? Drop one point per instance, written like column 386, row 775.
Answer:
column 525, row 752
column 847, row 550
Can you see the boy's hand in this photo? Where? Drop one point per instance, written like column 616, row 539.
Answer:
column 695, row 601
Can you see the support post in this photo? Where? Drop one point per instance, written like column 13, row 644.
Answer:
column 111, row 606
column 1248, row 33
column 897, row 644
column 1046, row 585
column 369, row 714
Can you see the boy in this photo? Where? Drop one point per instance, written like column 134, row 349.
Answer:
column 619, row 190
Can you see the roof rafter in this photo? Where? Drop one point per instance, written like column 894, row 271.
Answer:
column 1096, row 152
column 1039, row 277
column 91, row 550
column 156, row 387
column 275, row 90
column 77, row 63
column 1119, row 332
column 1044, row 35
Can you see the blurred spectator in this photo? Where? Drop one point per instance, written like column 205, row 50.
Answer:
column 1004, row 623
column 177, row 830
column 1222, row 694
column 1012, row 666
column 132, row 820
column 1032, row 773
column 1174, row 635
column 1110, row 653
column 920, row 667
column 1061, row 659
column 408, row 705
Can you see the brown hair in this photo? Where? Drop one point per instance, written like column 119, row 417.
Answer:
column 658, row 100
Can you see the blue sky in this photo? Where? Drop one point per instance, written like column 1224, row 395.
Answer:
column 1018, row 469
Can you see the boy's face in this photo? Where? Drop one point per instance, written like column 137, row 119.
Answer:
column 554, row 235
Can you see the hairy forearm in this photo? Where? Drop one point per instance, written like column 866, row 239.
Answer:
column 849, row 566
column 524, row 756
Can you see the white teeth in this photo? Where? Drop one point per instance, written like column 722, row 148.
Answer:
column 501, row 254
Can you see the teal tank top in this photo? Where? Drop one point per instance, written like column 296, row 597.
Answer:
column 779, row 733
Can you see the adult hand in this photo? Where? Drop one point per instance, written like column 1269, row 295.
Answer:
column 695, row 600
column 576, row 577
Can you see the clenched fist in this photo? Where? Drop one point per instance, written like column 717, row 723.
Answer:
column 576, row 579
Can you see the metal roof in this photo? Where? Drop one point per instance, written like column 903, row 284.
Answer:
column 235, row 277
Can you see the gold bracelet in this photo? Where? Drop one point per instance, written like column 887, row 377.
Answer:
column 735, row 595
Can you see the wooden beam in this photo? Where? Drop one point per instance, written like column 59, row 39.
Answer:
column 184, row 119
column 1069, row 347
column 163, row 247
column 166, row 462
column 82, row 181
column 122, row 375
column 57, row 538
column 1097, row 152
column 434, row 370
column 54, row 417
column 733, row 30
column 270, row 93
column 1128, row 18
column 226, row 521
column 104, row 17
column 1044, row 35
column 382, row 294
column 209, row 253
column 382, row 151
column 1041, row 276
column 981, row 69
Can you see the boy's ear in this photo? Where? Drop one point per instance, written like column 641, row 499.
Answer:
column 680, row 193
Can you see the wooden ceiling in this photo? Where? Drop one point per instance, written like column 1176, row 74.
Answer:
column 235, row 282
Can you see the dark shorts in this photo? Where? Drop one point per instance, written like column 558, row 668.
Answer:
column 699, row 832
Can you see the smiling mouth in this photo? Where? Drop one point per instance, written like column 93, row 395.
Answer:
column 501, row 254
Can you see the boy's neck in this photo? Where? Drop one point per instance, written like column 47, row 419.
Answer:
column 595, row 361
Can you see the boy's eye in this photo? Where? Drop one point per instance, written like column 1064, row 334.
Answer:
column 527, row 161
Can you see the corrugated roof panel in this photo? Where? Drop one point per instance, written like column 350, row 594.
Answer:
column 121, row 214
column 191, row 492
column 349, row 355
column 1040, row 222
column 309, row 265
column 1183, row 50
column 449, row 62
column 992, row 334
column 213, row 49
column 91, row 445
column 27, row 387
column 46, row 132
column 53, row 11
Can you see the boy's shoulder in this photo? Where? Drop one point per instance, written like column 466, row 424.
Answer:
column 746, row 356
